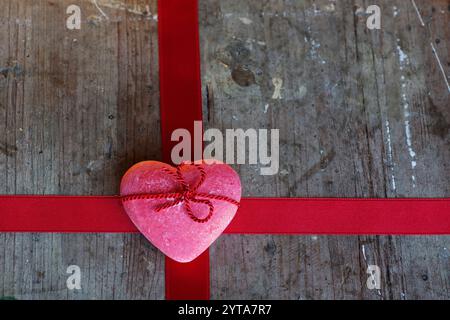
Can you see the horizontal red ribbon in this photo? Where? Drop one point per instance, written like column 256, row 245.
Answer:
column 255, row 215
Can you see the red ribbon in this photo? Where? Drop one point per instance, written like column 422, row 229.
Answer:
column 180, row 73
column 255, row 215
column 180, row 105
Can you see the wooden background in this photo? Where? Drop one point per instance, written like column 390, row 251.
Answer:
column 361, row 113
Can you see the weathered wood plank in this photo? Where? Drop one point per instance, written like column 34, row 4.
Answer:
column 77, row 108
column 350, row 126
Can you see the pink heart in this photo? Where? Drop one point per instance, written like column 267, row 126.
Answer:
column 166, row 221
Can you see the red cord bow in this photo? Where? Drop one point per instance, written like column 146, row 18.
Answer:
column 186, row 196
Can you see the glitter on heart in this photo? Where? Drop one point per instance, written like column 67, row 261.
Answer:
column 181, row 210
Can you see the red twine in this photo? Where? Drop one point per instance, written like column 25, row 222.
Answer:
column 186, row 196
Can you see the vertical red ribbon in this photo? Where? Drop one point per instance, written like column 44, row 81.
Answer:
column 180, row 105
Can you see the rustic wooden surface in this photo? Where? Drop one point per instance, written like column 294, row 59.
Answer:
column 78, row 107
column 361, row 113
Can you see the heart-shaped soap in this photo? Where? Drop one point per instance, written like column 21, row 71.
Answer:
column 182, row 210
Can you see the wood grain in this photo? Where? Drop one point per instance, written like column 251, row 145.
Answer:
column 344, row 132
column 78, row 107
